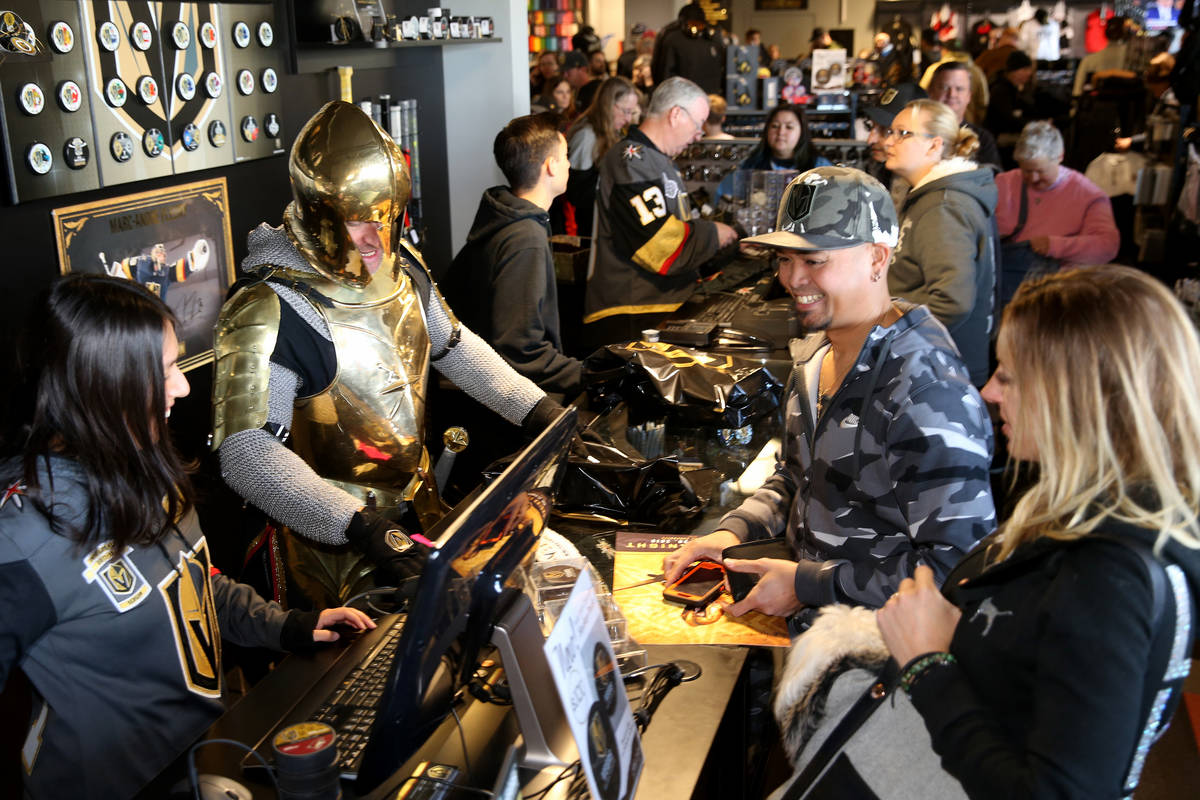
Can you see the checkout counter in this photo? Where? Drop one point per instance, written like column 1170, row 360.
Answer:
column 694, row 746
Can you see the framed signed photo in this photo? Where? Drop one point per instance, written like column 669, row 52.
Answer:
column 174, row 241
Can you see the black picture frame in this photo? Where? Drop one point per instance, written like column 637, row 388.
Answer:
column 780, row 5
column 120, row 236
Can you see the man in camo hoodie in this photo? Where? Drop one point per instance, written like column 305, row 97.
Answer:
column 884, row 463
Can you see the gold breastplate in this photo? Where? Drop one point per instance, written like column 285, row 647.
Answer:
column 364, row 432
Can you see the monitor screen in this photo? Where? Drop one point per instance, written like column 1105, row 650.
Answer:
column 451, row 616
column 1161, row 15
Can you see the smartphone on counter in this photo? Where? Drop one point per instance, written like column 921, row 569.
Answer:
column 697, row 586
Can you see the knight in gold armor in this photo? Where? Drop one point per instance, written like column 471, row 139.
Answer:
column 330, row 348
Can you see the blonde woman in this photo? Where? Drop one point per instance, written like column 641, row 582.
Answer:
column 946, row 255
column 1044, row 670
column 716, row 118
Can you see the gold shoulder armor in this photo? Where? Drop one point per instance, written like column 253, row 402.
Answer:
column 244, row 339
column 416, row 256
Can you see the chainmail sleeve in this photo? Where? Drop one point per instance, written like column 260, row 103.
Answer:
column 477, row 369
column 262, row 470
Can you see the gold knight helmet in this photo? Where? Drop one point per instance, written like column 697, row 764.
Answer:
column 344, row 168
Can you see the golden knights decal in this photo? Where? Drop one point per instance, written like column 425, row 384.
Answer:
column 187, row 592
column 117, row 576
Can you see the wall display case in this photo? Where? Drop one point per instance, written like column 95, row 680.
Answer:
column 192, row 54
column 254, row 61
column 123, row 45
column 50, row 147
column 706, row 162
column 128, row 91
column 831, row 115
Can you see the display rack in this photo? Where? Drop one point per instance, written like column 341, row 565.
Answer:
column 706, row 162
column 552, row 23
column 745, row 124
column 130, row 92
column 831, row 116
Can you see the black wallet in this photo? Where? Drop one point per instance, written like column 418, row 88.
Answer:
column 740, row 583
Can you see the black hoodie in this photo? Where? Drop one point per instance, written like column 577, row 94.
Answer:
column 501, row 284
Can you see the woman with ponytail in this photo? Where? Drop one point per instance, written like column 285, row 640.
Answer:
column 946, row 255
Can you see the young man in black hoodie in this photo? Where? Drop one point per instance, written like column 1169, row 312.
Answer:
column 501, row 283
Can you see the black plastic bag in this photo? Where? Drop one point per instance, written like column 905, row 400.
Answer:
column 656, row 378
column 616, row 484
column 617, row 487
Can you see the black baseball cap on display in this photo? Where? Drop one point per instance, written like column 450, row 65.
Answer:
column 891, row 102
column 832, row 208
column 574, row 59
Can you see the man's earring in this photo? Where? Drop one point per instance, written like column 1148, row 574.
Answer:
column 874, row 277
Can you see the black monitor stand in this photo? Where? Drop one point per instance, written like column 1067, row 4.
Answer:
column 543, row 724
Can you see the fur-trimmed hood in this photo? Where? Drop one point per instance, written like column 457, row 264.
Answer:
column 959, row 175
column 951, row 166
column 840, row 639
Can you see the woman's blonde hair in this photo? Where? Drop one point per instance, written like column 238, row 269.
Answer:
column 940, row 120
column 600, row 114
column 1106, row 363
column 716, row 109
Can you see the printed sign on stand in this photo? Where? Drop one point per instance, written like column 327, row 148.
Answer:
column 593, row 696
column 828, row 70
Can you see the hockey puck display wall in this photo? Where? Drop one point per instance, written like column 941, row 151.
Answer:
column 104, row 76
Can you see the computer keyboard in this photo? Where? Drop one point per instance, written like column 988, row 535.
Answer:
column 350, row 708
column 721, row 309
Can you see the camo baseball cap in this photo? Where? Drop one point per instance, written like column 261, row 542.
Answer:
column 832, row 208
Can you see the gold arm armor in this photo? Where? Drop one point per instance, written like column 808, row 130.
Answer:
column 245, row 336
column 435, row 295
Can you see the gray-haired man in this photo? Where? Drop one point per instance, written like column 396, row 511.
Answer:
column 648, row 249
column 884, row 463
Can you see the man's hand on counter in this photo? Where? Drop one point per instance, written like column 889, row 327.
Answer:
column 775, row 592
column 709, row 546
column 726, row 235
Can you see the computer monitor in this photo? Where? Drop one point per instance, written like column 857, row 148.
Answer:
column 452, row 614
column 1160, row 16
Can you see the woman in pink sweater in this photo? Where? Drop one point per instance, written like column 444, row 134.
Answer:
column 1068, row 218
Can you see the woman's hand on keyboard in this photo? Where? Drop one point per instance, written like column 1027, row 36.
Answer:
column 342, row 616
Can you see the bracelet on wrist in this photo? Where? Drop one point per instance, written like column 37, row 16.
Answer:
column 919, row 666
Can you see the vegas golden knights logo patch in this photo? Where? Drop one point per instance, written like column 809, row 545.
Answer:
column 117, row 576
column 187, row 592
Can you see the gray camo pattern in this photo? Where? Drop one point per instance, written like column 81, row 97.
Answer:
column 892, row 475
column 846, row 203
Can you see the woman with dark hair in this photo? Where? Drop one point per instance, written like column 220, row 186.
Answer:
column 785, row 143
column 784, row 146
column 112, row 607
column 1056, row 652
column 562, row 102
column 597, row 129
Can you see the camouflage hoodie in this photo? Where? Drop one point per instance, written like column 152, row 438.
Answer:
column 893, row 474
